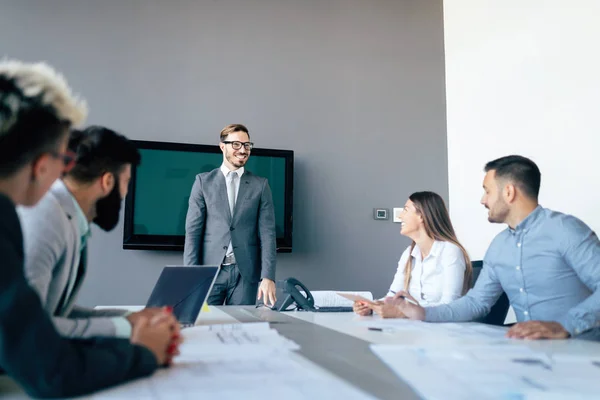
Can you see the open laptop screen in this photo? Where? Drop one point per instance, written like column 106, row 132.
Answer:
column 185, row 288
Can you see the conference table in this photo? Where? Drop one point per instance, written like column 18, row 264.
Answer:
column 338, row 344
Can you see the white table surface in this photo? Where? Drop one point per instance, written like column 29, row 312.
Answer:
column 344, row 325
column 354, row 325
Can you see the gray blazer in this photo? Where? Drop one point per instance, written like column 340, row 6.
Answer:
column 52, row 255
column 209, row 225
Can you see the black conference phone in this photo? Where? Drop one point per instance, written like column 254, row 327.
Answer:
column 295, row 299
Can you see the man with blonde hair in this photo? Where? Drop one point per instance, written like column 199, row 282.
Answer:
column 37, row 111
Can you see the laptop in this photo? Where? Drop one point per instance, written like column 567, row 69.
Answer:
column 185, row 288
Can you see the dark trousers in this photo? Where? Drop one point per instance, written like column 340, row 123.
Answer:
column 231, row 289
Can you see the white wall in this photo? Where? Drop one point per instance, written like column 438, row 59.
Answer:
column 522, row 77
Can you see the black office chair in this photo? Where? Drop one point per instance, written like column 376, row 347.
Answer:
column 498, row 312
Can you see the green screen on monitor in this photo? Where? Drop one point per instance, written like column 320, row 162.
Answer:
column 161, row 185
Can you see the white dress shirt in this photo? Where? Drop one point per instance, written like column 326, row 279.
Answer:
column 239, row 173
column 438, row 279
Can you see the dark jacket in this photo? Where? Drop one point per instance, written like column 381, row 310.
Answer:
column 32, row 353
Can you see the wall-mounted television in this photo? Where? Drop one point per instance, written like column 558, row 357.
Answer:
column 157, row 201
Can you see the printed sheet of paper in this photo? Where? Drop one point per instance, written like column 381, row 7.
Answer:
column 352, row 297
column 269, row 377
column 237, row 361
column 462, row 331
column 489, row 372
column 330, row 298
column 232, row 341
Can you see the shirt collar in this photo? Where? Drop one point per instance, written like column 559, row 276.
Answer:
column 531, row 219
column 82, row 222
column 225, row 171
column 435, row 249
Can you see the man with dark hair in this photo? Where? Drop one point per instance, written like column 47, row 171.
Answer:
column 548, row 263
column 524, row 174
column 57, row 229
column 37, row 110
column 231, row 222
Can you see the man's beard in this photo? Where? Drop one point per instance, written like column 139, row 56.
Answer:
column 233, row 160
column 108, row 209
column 499, row 215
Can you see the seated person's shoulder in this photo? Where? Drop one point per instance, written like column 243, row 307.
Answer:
column 567, row 230
column 450, row 248
column 566, row 224
column 46, row 217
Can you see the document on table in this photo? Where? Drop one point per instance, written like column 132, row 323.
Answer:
column 237, row 361
column 250, row 326
column 502, row 371
column 462, row 331
column 330, row 298
column 261, row 378
column 394, row 324
column 232, row 341
column 471, row 330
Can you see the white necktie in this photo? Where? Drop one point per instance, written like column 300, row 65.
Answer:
column 231, row 190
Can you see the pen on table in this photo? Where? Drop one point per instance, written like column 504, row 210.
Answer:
column 386, row 330
column 405, row 298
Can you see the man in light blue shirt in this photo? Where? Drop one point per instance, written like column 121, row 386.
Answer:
column 56, row 231
column 548, row 263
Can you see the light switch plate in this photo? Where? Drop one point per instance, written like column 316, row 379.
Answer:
column 396, row 214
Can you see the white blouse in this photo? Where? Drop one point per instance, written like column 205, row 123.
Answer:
column 438, row 279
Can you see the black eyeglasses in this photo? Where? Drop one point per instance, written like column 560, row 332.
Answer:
column 238, row 145
column 68, row 158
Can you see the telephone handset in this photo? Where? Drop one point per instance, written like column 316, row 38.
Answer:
column 293, row 295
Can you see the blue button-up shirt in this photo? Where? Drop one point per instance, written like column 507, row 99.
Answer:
column 549, row 266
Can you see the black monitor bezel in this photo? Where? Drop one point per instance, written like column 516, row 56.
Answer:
column 133, row 241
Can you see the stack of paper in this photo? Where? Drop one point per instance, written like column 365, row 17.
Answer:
column 237, row 361
column 232, row 341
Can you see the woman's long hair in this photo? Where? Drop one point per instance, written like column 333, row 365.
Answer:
column 436, row 220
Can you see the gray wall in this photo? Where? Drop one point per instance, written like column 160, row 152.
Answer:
column 354, row 87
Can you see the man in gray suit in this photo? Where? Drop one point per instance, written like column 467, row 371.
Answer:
column 231, row 222
column 57, row 229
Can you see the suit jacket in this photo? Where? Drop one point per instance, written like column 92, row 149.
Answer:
column 34, row 354
column 52, row 256
column 209, row 225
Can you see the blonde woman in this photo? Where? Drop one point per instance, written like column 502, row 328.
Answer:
column 435, row 269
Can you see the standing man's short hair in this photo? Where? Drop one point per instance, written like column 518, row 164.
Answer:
column 520, row 170
column 229, row 129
